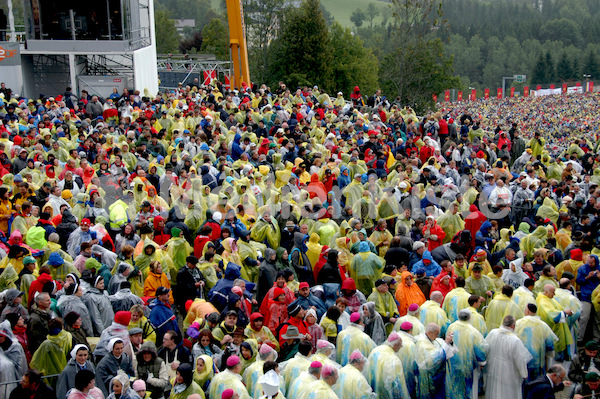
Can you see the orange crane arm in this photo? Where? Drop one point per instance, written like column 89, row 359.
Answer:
column 237, row 43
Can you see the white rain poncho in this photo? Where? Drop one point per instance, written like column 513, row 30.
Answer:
column 471, row 354
column 298, row 388
column 507, row 360
column 432, row 312
column 539, row 340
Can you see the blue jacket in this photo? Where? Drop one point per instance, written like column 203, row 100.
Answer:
column 311, row 300
column 159, row 314
column 431, row 270
column 587, row 285
column 218, row 295
column 236, row 149
column 482, row 237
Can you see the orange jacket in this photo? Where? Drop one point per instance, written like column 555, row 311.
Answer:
column 153, row 281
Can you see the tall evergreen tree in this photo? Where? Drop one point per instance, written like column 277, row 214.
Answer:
column 591, row 66
column 539, row 71
column 564, row 70
column 550, row 73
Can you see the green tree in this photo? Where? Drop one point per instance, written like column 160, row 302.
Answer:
column 591, row 66
column 352, row 63
column 302, row 53
column 167, row 38
column 372, row 13
column 564, row 70
column 539, row 72
column 262, row 19
column 358, row 17
column 550, row 70
column 564, row 30
column 415, row 67
column 215, row 39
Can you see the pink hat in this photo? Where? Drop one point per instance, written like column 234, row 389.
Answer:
column 406, row 326
column 356, row 354
column 233, row 361
column 237, row 290
column 413, row 307
column 139, row 385
column 393, row 337
column 354, row 317
column 316, row 365
column 227, row 394
column 264, row 348
column 322, row 344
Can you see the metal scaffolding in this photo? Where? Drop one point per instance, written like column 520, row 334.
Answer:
column 174, row 69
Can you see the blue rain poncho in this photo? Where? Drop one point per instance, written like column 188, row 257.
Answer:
column 408, row 356
column 431, row 359
column 460, row 367
column 539, row 340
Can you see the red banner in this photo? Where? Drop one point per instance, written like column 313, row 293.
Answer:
column 486, row 93
column 228, row 81
column 447, row 96
column 459, row 97
column 473, row 95
column 538, row 87
column 526, row 91
column 435, row 98
column 512, row 91
column 552, row 87
column 578, row 84
column 209, row 76
column 590, row 86
column 499, row 92
column 564, row 88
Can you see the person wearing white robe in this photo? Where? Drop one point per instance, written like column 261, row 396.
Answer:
column 507, row 360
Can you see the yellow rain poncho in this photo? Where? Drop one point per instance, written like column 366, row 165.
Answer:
column 247, row 251
column 451, row 222
column 431, row 312
column 178, row 250
column 207, row 374
column 142, row 261
column 548, row 210
column 535, row 240
column 500, row 307
column 543, row 280
column 253, row 356
column 384, row 303
column 51, row 356
column 292, row 370
column 365, row 268
column 381, row 239
column 191, row 389
column 266, row 232
column 455, row 300
column 385, row 373
column 551, row 312
column 471, row 353
column 569, row 265
column 8, row 278
column 314, row 248
column 505, row 235
column 539, row 340
column 299, row 387
column 563, row 238
column 350, row 339
column 522, row 296
column 418, row 327
column 224, row 380
column 478, row 321
column 408, row 357
column 352, row 383
column 60, row 272
column 568, row 300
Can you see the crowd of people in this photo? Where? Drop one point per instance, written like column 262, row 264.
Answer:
column 258, row 243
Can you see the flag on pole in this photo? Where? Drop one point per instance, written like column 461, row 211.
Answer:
column 512, row 91
column 486, row 94
column 499, row 95
column 447, row 96
column 473, row 95
column 526, row 91
column 459, row 97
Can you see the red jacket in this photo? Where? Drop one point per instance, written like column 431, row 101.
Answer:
column 302, row 328
column 474, row 221
column 199, row 244
column 36, row 286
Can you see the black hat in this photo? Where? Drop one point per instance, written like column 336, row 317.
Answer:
column 477, row 267
column 591, row 346
column 162, row 291
column 191, row 259
column 379, row 282
column 293, row 309
column 71, row 318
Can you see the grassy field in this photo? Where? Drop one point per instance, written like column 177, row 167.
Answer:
column 342, row 9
